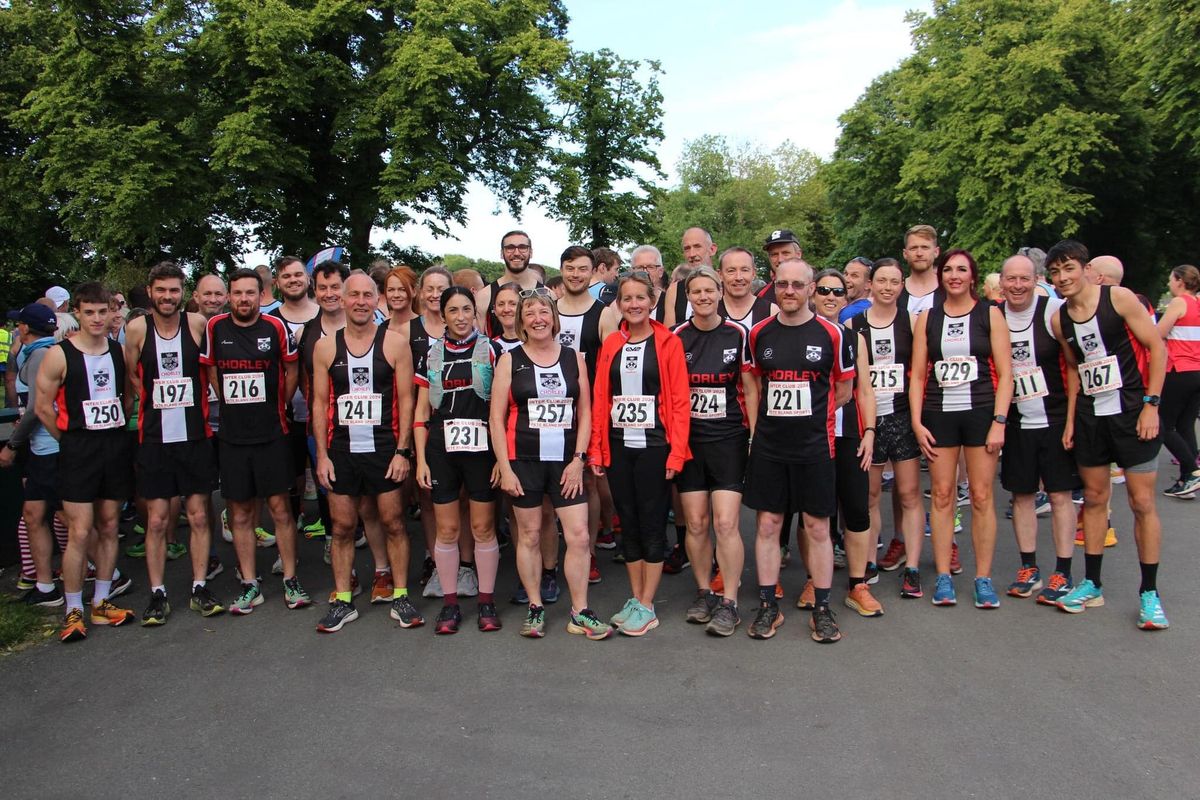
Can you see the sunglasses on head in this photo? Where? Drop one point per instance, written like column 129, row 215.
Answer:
column 537, row 291
column 836, row 291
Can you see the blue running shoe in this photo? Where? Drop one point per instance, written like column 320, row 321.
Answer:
column 943, row 594
column 1029, row 580
column 1152, row 617
column 1085, row 595
column 549, row 588
column 1056, row 589
column 985, row 594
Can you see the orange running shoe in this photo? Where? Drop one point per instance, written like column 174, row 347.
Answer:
column 107, row 614
column 860, row 600
column 717, row 584
column 594, row 572
column 808, row 596
column 73, row 629
column 1110, row 538
column 382, row 588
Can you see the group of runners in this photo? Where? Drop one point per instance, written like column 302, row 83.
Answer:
column 568, row 413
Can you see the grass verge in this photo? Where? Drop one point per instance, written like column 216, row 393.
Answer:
column 21, row 624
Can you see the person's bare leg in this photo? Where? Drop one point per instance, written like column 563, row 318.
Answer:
column 942, row 472
column 285, row 532
column 731, row 552
column 698, row 541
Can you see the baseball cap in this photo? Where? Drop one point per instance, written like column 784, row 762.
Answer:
column 36, row 316
column 781, row 236
column 58, row 294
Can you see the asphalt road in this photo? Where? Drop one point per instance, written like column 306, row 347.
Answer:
column 1023, row 701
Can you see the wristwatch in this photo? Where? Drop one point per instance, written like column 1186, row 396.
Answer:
column 1151, row 399
column 1003, row 420
column 582, row 457
column 407, row 452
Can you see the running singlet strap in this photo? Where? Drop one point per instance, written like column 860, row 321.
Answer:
column 1039, row 369
column 889, row 354
column 960, row 373
column 581, row 332
column 543, row 408
column 362, row 398
column 172, row 387
column 93, row 390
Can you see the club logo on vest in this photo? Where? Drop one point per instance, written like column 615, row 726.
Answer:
column 955, row 330
column 361, row 376
column 101, row 378
column 264, row 344
column 883, row 347
column 1089, row 343
column 727, row 356
column 1020, row 351
column 169, row 361
column 566, row 338
column 813, row 352
column 551, row 382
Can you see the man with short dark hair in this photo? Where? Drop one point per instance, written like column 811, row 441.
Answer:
column 608, row 264
column 921, row 252
column 857, row 273
column 516, row 250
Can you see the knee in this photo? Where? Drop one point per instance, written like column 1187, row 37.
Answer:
column 1142, row 504
column 1093, row 497
column 483, row 533
column 981, row 498
column 726, row 528
column 343, row 531
column 941, row 498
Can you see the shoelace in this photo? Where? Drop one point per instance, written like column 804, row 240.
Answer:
column 1058, row 581
column 1025, row 574
column 74, row 616
column 944, row 584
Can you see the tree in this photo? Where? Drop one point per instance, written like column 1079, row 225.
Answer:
column 740, row 194
column 610, row 129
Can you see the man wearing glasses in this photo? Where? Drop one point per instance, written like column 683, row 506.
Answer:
column 516, row 250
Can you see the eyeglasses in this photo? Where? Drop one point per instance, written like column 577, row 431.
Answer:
column 516, row 248
column 634, row 273
column 836, row 291
column 537, row 291
column 795, row 286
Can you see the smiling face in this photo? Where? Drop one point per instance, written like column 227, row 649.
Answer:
column 858, row 277
column 431, row 288
column 737, row 274
column 243, row 299
column 956, row 276
column 698, row 247
column 777, row 252
column 887, row 285
column 292, row 281
column 211, row 295
column 635, row 302
column 329, row 292
column 645, row 261
column 577, row 275
column 1018, row 282
column 828, row 305
column 398, row 297
column 537, row 320
column 506, row 308
column 360, row 297
column 704, row 294
column 516, row 250
column 459, row 314
column 1069, row 277
column 166, row 295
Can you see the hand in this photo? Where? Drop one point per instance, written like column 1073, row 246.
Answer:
column 670, row 474
column 510, row 483
column 866, row 450
column 572, row 479
column 496, row 474
column 1068, row 439
column 325, row 475
column 597, row 470
column 926, row 441
column 995, row 438
column 424, row 480
column 398, row 469
column 7, row 457
column 1147, row 424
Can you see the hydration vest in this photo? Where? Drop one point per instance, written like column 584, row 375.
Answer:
column 481, row 370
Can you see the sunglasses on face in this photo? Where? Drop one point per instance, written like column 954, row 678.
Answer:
column 796, row 286
column 836, row 291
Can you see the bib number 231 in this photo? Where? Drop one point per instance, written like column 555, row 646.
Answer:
column 465, row 436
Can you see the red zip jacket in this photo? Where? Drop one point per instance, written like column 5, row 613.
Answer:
column 674, row 397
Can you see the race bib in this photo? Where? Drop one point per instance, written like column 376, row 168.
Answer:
column 102, row 415
column 789, row 399
column 887, row 378
column 1029, row 384
column 708, row 403
column 172, row 393
column 365, row 408
column 551, row 412
column 465, row 435
column 633, row 411
column 956, row 371
column 1100, row 376
column 244, row 387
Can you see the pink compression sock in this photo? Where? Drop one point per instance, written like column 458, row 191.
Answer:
column 446, row 558
column 487, row 562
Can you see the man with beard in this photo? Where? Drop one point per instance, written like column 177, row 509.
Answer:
column 698, row 251
column 252, row 361
column 174, row 458
column 920, row 252
column 516, row 249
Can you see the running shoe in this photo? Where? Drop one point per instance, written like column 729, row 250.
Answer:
column 205, row 602
column 1077, row 496
column 360, row 540
column 641, row 620
column 263, row 539
column 767, row 620
column 778, row 590
column 894, row 557
column 618, row 619
column 1117, row 475
column 339, row 613
column 136, row 550
column 382, row 588
column 724, row 620
column 701, row 609
column 157, row 611
column 824, row 626
column 1151, row 617
column 277, row 567
column 910, row 584
column 294, row 595
column 534, row 626
column 887, row 482
column 872, row 574
column 676, row 561
column 1110, row 538
column 414, row 510
column 943, row 593
column 105, row 613
column 808, row 596
column 619, row 557
column 226, row 531
column 73, row 629
column 594, row 576
column 1085, row 595
column 121, row 584
column 606, row 541
column 549, row 588
column 448, row 620
column 717, row 582
column 785, row 556
column 215, row 568
column 985, row 594
column 839, row 557
column 520, row 597
column 26, row 582
column 468, row 581
column 313, row 530
column 958, row 528
column 433, row 587
column 404, row 612
column 588, row 624
column 1029, row 580
column 139, row 529
column 955, row 562
column 51, row 599
column 489, row 618
column 861, row 601
column 1056, row 588
column 1041, row 504
column 428, row 568
column 245, row 602
column 176, row 550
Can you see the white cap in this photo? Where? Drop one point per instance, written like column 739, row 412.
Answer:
column 59, row 295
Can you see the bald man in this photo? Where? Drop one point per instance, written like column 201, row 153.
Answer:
column 698, row 251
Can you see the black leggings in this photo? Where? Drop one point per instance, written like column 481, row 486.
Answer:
column 642, row 496
column 1180, row 406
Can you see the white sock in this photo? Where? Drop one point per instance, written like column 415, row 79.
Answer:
column 74, row 601
column 45, row 588
column 154, row 589
column 197, row 585
column 102, row 590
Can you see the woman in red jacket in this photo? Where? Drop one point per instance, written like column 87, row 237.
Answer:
column 640, row 425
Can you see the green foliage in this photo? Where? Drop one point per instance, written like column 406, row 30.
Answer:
column 490, row 270
column 610, row 130
column 742, row 193
column 21, row 624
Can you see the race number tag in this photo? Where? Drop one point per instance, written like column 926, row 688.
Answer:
column 244, row 387
column 1029, row 384
column 887, row 378
column 465, row 435
column 551, row 412
column 956, row 371
column 1100, row 376
column 708, row 403
column 789, row 399
column 101, row 415
column 633, row 411
column 172, row 393
column 365, row 408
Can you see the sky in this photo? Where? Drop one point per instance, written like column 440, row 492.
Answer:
column 762, row 71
